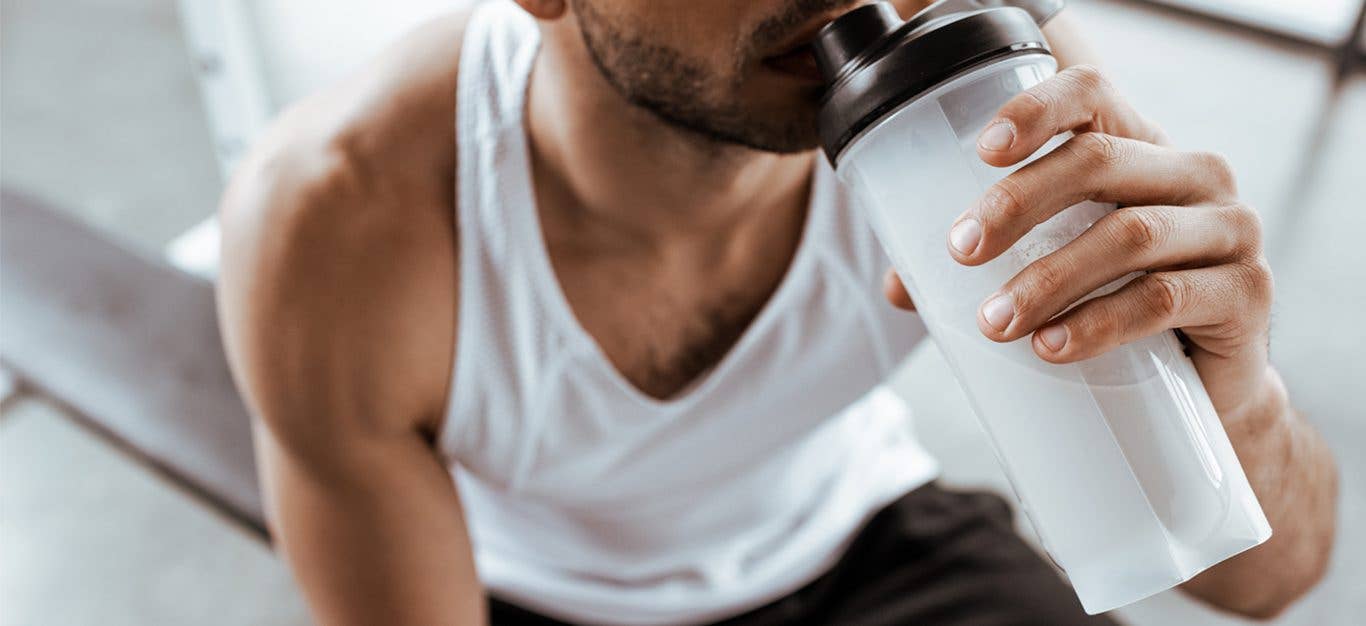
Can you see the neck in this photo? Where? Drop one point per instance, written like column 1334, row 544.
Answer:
column 600, row 160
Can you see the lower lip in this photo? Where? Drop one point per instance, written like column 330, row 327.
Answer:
column 799, row 63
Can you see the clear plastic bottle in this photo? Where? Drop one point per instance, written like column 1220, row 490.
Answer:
column 1119, row 461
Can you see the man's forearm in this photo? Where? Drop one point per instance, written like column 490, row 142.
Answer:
column 1295, row 479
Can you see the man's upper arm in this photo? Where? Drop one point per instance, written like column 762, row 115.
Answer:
column 337, row 300
column 331, row 297
column 338, row 313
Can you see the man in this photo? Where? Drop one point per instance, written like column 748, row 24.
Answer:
column 562, row 291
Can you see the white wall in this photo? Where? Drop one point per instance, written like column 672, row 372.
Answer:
column 305, row 44
column 256, row 56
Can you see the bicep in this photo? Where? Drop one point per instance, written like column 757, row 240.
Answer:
column 373, row 533
column 363, row 508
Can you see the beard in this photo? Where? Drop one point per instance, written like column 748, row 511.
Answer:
column 707, row 101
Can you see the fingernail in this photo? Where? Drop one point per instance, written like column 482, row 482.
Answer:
column 1055, row 337
column 997, row 137
column 998, row 311
column 965, row 235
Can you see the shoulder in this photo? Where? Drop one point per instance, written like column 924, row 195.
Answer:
column 338, row 277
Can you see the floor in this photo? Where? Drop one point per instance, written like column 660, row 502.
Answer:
column 91, row 538
column 100, row 115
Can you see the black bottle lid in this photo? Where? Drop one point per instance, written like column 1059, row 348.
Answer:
column 872, row 62
column 840, row 41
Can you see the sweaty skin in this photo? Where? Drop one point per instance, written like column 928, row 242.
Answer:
column 339, row 275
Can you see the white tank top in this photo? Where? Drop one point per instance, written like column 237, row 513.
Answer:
column 588, row 500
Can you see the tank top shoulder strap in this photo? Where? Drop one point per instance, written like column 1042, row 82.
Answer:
column 500, row 44
column 498, row 311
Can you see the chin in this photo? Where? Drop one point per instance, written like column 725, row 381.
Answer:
column 781, row 141
column 786, row 129
column 776, row 121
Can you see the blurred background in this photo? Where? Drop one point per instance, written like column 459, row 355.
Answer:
column 126, row 490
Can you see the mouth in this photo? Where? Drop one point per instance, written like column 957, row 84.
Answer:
column 799, row 62
column 795, row 57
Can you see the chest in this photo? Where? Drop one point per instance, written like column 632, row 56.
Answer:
column 663, row 324
column 545, row 414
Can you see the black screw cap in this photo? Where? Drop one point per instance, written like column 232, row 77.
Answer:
column 845, row 38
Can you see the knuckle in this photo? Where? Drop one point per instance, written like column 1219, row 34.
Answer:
column 1140, row 232
column 1034, row 103
column 1101, row 325
column 1258, row 281
column 1087, row 77
column 1245, row 223
column 1165, row 295
column 1219, row 171
column 1008, row 198
column 1101, row 149
column 1046, row 278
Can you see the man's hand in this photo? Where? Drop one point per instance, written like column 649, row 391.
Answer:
column 1183, row 224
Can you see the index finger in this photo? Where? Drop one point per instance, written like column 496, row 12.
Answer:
column 1089, row 166
column 1078, row 98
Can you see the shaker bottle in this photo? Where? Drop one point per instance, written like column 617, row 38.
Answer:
column 1120, row 461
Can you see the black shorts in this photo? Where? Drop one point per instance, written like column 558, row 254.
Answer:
column 933, row 557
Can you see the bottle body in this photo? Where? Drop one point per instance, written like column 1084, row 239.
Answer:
column 1120, row 461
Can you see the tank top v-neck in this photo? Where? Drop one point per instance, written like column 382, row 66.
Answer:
column 592, row 502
